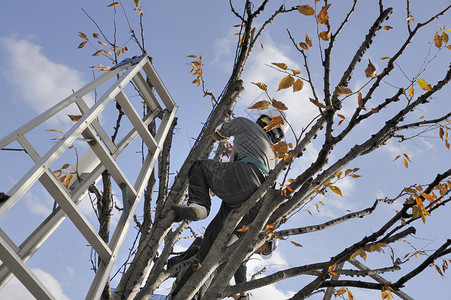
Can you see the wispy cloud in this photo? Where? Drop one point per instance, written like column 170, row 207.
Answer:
column 39, row 81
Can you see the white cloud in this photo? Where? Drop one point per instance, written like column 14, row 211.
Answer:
column 15, row 290
column 40, row 82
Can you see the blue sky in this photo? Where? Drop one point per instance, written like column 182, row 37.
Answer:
column 41, row 65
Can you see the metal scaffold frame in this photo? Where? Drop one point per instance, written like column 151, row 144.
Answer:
column 100, row 156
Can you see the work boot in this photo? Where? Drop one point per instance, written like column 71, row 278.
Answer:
column 190, row 212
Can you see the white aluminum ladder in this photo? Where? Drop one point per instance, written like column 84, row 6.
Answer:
column 101, row 155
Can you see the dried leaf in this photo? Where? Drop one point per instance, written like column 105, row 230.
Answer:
column 336, row 190
column 243, row 229
column 97, row 66
column 74, row 118
column 370, row 70
column 262, row 105
column 283, row 66
column 325, row 35
column 113, row 4
column 101, row 43
column 295, row 72
column 296, row 244
column 306, row 10
column 317, row 103
column 424, row 85
column 341, row 291
column 55, row 130
column 441, row 133
column 437, row 41
column 303, row 45
column 387, row 27
column 82, row 35
column 385, row 57
column 57, row 173
column 262, row 86
column 100, row 52
column 342, row 90
column 82, row 44
column 276, row 122
column 323, row 15
column 298, row 85
column 286, row 82
column 68, row 178
column 279, row 105
column 308, row 41
column 137, row 2
column 65, row 166
column 360, row 101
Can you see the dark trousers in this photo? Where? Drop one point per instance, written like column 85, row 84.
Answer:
column 233, row 182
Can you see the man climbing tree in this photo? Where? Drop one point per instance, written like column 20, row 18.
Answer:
column 349, row 83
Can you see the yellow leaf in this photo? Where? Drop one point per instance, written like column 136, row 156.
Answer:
column 55, row 130
column 303, row 45
column 437, row 41
column 68, row 178
column 411, row 92
column 385, row 57
column 101, row 43
column 370, row 70
column 444, row 37
column 387, row 27
column 243, row 229
column 62, row 178
column 281, row 65
column 286, row 82
column 306, row 10
column 298, row 85
column 262, row 86
column 82, row 44
column 295, row 72
column 336, row 190
column 323, row 15
column 57, row 173
column 331, row 268
column 424, row 85
column 406, row 163
column 262, row 105
column 341, row 291
column 65, row 166
column 82, row 35
column 74, row 118
column 338, row 174
column 97, row 66
column 100, row 52
column 279, row 105
column 113, row 4
column 276, row 122
column 308, row 41
column 350, row 296
column 342, row 90
column 325, row 35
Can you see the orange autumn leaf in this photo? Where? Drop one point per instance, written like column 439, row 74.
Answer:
column 74, row 118
column 308, row 41
column 303, row 45
column 323, row 15
column 286, row 82
column 279, row 105
column 276, row 122
column 325, row 35
column 306, row 10
column 298, row 85
column 283, row 66
column 424, row 85
column 342, row 90
column 262, row 105
column 262, row 86
column 370, row 70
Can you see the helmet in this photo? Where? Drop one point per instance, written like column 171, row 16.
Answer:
column 275, row 134
column 272, row 246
